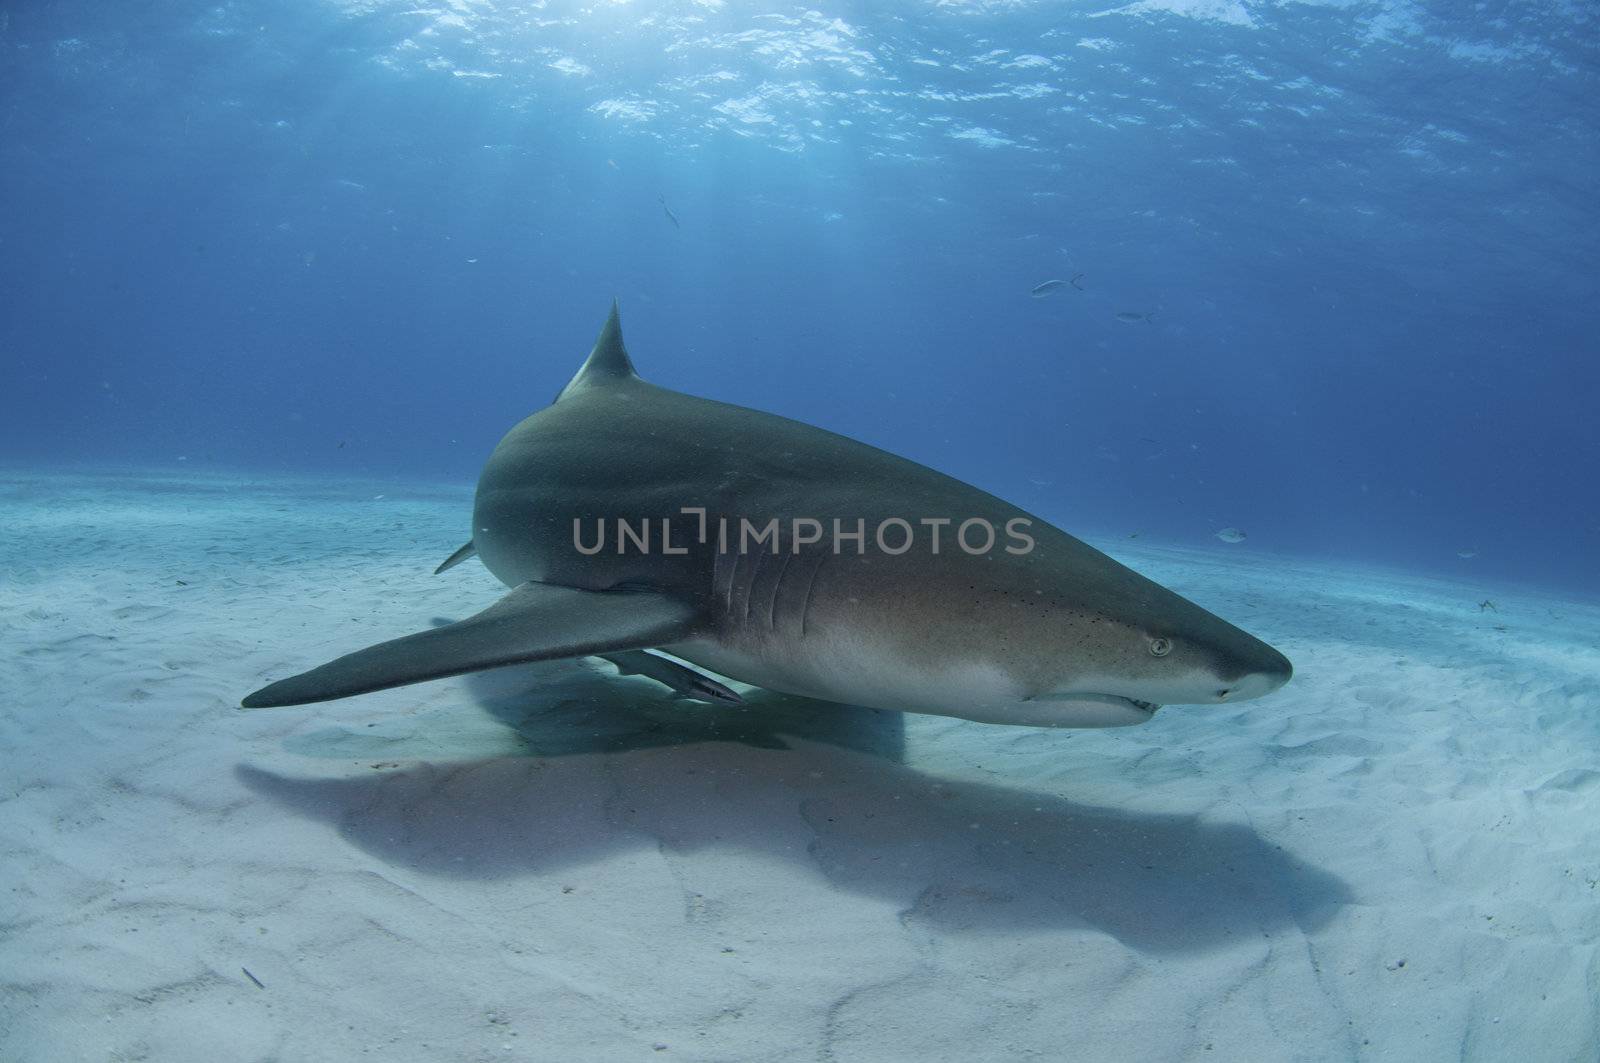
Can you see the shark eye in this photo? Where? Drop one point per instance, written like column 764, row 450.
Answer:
column 1160, row 647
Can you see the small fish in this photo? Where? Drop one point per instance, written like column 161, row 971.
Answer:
column 1466, row 555
column 1486, row 605
column 1132, row 316
column 1231, row 535
column 1047, row 288
column 673, row 218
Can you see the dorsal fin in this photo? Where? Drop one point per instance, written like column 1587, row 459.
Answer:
column 607, row 363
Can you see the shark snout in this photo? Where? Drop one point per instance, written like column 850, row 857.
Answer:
column 1252, row 672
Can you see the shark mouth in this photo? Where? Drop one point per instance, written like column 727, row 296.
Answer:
column 1103, row 710
column 1147, row 707
column 1112, row 699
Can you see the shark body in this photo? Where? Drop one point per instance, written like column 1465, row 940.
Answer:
column 627, row 517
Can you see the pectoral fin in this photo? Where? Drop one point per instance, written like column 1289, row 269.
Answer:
column 535, row 622
column 469, row 550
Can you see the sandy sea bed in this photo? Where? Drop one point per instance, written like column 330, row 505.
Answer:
column 1394, row 858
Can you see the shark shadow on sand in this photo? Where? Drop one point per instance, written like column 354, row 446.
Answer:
column 618, row 766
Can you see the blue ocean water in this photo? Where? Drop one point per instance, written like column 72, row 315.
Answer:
column 1353, row 247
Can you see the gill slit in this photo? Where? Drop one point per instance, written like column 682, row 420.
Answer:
column 777, row 589
column 752, row 584
column 811, row 585
column 723, row 570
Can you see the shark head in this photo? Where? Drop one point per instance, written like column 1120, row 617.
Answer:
column 1065, row 638
column 1122, row 665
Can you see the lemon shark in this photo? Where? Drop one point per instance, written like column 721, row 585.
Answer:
column 628, row 519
